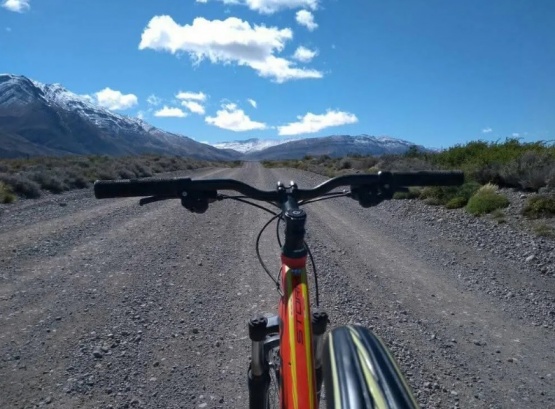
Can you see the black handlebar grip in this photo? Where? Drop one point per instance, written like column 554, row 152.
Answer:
column 429, row 178
column 104, row 189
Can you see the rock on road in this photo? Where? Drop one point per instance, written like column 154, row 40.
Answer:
column 106, row 304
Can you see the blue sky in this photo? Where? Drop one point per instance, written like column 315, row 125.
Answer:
column 434, row 72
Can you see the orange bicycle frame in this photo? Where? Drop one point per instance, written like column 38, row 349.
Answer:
column 298, row 374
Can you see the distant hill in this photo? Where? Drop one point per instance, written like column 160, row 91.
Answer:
column 250, row 145
column 39, row 119
column 334, row 146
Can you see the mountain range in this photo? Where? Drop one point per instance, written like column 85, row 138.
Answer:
column 334, row 146
column 39, row 119
column 47, row 119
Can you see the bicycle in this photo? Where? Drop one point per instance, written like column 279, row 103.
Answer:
column 290, row 359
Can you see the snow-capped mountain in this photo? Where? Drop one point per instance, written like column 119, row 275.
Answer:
column 250, row 145
column 47, row 119
column 334, row 146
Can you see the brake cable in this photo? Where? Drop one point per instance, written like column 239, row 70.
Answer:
column 327, row 196
column 279, row 217
column 276, row 282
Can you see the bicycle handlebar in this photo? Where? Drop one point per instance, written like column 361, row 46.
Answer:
column 175, row 187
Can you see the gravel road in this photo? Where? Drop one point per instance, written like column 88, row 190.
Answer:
column 105, row 304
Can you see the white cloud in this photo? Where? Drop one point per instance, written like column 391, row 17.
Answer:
column 516, row 134
column 194, row 107
column 487, row 130
column 194, row 96
column 113, row 100
column 271, row 6
column 306, row 18
column 154, row 100
column 232, row 118
column 252, row 102
column 227, row 41
column 167, row 112
column 19, row 6
column 192, row 101
column 304, row 54
column 311, row 123
column 141, row 115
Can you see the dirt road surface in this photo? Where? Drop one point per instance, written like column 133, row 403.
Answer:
column 105, row 304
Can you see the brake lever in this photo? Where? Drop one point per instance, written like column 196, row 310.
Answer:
column 372, row 195
column 146, row 200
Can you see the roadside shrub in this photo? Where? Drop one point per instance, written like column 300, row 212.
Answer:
column 544, row 230
column 440, row 194
column 486, row 200
column 488, row 188
column 76, row 179
column 403, row 164
column 539, row 206
column 456, row 203
column 431, row 192
column 364, row 163
column 107, row 174
column 51, row 181
column 21, row 185
column 498, row 216
column 467, row 190
column 6, row 195
column 345, row 163
column 413, row 193
column 433, row 201
column 124, row 173
column 530, row 171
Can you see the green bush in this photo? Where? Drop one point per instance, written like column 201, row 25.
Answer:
column 6, row 194
column 413, row 193
column 539, row 206
column 467, row 190
column 543, row 230
column 486, row 202
column 456, row 203
column 498, row 216
column 429, row 192
column 433, row 201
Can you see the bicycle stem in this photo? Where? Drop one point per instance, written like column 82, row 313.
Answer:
column 295, row 220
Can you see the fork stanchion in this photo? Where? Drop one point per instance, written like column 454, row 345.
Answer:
column 258, row 375
column 257, row 334
column 319, row 323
